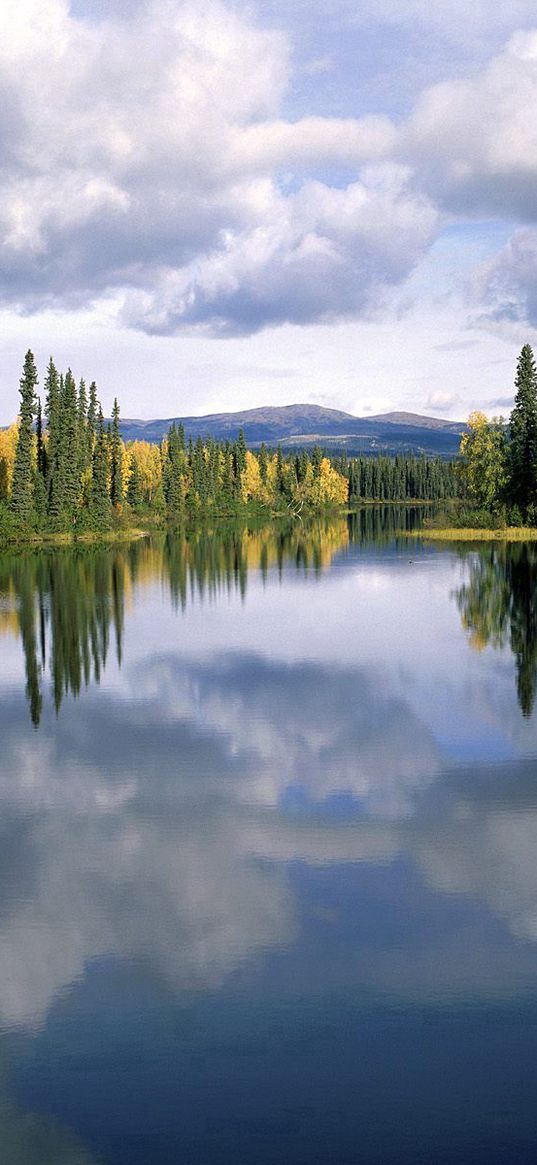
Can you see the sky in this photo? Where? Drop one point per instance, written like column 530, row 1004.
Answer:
column 216, row 205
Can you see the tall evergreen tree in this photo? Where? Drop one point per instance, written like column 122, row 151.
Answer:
column 116, row 459
column 22, row 492
column 134, row 485
column 316, row 461
column 40, row 488
column 172, row 475
column 523, row 432
column 69, row 449
column 93, row 409
column 52, row 413
column 240, row 454
column 85, row 432
column 280, row 472
column 100, row 498
column 4, row 480
column 263, row 463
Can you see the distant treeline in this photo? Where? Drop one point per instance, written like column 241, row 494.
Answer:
column 63, row 469
column 389, row 479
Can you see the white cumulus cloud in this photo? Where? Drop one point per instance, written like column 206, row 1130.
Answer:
column 150, row 157
column 474, row 141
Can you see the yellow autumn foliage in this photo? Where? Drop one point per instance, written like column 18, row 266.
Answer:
column 8, row 445
column 328, row 489
column 149, row 465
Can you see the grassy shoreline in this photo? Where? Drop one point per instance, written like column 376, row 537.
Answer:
column 37, row 541
column 251, row 515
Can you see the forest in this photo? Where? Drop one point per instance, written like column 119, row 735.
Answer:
column 498, row 459
column 64, row 470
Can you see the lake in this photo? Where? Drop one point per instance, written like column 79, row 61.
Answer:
column 268, row 860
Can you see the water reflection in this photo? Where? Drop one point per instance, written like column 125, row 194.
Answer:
column 32, row 1139
column 168, row 833
column 289, row 806
column 498, row 606
column 66, row 605
column 160, row 822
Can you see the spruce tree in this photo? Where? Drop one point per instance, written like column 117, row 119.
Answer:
column 69, row 449
column 93, row 411
column 40, row 488
column 240, row 454
column 52, row 413
column 199, row 472
column 85, row 433
column 116, row 459
column 523, row 432
column 228, row 476
column 316, row 461
column 172, row 476
column 100, row 498
column 134, row 486
column 56, row 455
column 263, row 463
column 4, row 480
column 22, row 492
column 280, row 473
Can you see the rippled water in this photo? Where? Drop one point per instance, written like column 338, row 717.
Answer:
column 268, row 851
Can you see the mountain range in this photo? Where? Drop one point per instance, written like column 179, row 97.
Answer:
column 299, row 425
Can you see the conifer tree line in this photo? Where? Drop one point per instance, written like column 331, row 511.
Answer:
column 67, row 469
column 498, row 463
column 63, row 468
column 400, row 478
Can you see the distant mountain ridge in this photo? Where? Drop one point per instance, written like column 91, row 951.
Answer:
column 419, row 421
column 298, row 425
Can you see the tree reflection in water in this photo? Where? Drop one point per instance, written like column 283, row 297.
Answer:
column 68, row 605
column 498, row 606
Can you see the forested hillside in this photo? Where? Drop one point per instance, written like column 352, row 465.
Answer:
column 64, row 470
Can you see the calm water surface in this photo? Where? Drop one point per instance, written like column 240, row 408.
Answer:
column 268, row 851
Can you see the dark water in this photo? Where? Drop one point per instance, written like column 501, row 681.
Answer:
column 268, row 851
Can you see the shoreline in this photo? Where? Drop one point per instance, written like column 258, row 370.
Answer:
column 463, row 534
column 42, row 541
column 445, row 534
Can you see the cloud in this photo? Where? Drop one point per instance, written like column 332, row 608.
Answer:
column 185, row 821
column 442, row 402
column 472, row 142
column 501, row 402
column 455, row 345
column 151, row 162
column 507, row 286
column 320, row 254
column 116, row 170
column 176, row 182
column 174, row 849
column 322, row 729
